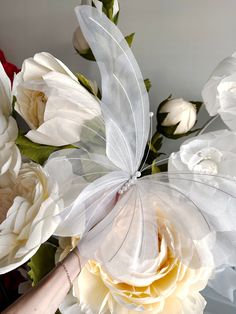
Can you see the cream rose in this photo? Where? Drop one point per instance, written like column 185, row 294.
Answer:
column 10, row 158
column 29, row 213
column 52, row 101
column 174, row 288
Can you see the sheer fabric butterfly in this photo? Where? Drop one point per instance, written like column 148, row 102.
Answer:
column 119, row 214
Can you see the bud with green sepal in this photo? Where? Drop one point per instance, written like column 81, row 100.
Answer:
column 177, row 117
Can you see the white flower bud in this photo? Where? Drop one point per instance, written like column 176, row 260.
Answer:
column 179, row 111
column 79, row 41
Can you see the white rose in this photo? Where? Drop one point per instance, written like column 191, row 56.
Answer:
column 10, row 158
column 211, row 153
column 219, row 93
column 29, row 216
column 174, row 287
column 211, row 158
column 180, row 112
column 52, row 101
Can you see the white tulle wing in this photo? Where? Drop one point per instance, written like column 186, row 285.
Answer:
column 125, row 105
column 214, row 211
column 194, row 217
column 88, row 186
column 125, row 242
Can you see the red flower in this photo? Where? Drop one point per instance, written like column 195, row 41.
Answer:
column 9, row 68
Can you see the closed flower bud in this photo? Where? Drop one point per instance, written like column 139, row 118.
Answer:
column 176, row 117
column 79, row 42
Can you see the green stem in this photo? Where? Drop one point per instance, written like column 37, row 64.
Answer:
column 207, row 124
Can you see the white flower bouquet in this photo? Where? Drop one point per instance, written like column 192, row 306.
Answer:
column 151, row 232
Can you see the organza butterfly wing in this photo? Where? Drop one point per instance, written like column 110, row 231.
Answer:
column 125, row 104
column 119, row 237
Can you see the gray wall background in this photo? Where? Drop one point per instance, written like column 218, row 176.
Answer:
column 177, row 43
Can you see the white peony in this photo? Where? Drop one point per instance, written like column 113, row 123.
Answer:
column 219, row 93
column 10, row 158
column 29, row 214
column 212, row 153
column 174, row 287
column 52, row 101
column 209, row 159
column 180, row 112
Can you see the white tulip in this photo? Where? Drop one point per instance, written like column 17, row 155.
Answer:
column 10, row 158
column 52, row 101
column 180, row 112
column 219, row 93
column 29, row 215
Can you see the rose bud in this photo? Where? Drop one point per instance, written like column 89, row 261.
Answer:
column 176, row 117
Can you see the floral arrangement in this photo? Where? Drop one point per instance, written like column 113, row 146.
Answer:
column 88, row 171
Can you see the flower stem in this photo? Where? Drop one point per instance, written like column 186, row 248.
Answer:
column 207, row 124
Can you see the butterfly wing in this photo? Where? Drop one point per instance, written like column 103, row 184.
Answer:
column 125, row 104
column 130, row 249
column 88, row 186
column 152, row 223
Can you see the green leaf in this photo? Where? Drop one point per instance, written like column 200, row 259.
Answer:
column 197, row 104
column 88, row 55
column 36, row 152
column 14, row 113
column 108, row 10
column 156, row 142
column 130, row 39
column 162, row 104
column 42, row 262
column 168, row 131
column 148, row 84
column 152, row 149
column 155, row 169
column 116, row 18
column 86, row 84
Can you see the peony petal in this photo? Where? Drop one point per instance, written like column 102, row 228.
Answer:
column 53, row 64
column 52, row 133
